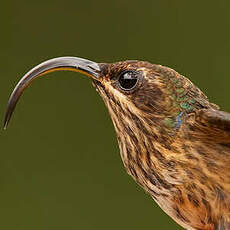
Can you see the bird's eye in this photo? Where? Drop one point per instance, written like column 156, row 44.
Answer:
column 128, row 80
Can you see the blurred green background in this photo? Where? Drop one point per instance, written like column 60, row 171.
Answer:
column 60, row 167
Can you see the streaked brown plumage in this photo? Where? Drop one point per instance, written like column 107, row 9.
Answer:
column 173, row 141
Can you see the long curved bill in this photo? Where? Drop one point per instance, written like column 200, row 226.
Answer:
column 89, row 68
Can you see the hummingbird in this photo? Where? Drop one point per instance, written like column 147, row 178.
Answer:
column 173, row 142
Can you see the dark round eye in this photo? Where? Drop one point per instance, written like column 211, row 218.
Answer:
column 128, row 80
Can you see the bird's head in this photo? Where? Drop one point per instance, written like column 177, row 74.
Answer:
column 140, row 96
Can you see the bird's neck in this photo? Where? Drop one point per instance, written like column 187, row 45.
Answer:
column 144, row 144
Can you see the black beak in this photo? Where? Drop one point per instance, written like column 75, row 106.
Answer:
column 89, row 68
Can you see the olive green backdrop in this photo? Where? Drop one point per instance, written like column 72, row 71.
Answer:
column 60, row 167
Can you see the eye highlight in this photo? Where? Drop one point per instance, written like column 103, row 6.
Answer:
column 128, row 80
